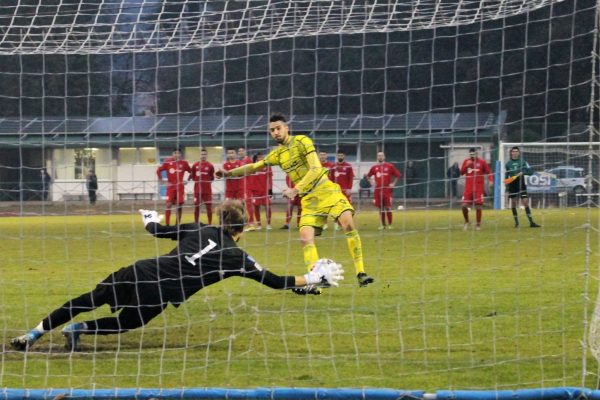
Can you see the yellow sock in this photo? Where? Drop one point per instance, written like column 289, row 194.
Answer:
column 355, row 247
column 310, row 255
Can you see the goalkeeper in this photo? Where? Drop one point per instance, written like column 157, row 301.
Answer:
column 516, row 187
column 319, row 197
column 204, row 255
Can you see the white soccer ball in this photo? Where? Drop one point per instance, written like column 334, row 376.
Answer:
column 400, row 208
column 323, row 262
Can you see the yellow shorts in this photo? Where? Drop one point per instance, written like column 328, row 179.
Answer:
column 327, row 199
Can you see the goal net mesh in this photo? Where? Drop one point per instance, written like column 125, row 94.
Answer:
column 114, row 86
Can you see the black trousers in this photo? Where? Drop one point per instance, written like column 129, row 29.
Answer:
column 129, row 317
column 92, row 196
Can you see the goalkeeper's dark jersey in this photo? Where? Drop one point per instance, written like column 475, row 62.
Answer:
column 204, row 255
column 513, row 168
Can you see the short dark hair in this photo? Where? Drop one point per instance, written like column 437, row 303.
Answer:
column 203, row 149
column 177, row 149
column 232, row 216
column 515, row 148
column 277, row 117
column 472, row 150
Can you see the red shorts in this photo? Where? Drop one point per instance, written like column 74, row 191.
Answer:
column 473, row 197
column 176, row 194
column 382, row 197
column 202, row 198
column 234, row 194
column 260, row 199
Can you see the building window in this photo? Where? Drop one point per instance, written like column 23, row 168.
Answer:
column 85, row 159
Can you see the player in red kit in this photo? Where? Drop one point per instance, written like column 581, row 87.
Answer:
column 245, row 188
column 329, row 166
column 203, row 174
column 385, row 176
column 343, row 174
column 175, row 169
column 261, row 189
column 295, row 202
column 232, row 185
column 474, row 169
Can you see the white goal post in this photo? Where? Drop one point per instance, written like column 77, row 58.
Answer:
column 566, row 173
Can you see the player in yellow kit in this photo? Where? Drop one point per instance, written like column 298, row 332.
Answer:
column 320, row 197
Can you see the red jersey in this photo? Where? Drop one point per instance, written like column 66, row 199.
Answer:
column 261, row 182
column 203, row 173
column 343, row 175
column 475, row 172
column 383, row 173
column 245, row 184
column 175, row 171
column 231, row 184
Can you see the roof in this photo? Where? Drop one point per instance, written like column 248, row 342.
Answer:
column 140, row 130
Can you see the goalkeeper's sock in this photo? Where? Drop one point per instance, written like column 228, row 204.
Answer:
column 355, row 247
column 40, row 329
column 528, row 213
column 515, row 216
column 168, row 216
column 310, row 255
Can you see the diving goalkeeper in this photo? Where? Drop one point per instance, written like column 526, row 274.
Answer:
column 204, row 255
column 320, row 197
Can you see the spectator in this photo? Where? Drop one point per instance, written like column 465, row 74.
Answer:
column 91, row 183
column 410, row 176
column 453, row 174
column 364, row 187
column 46, row 182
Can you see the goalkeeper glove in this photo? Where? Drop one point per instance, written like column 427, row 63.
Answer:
column 325, row 273
column 150, row 216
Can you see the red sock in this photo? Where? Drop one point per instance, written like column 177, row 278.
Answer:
column 168, row 216
column 196, row 213
column 389, row 217
column 250, row 209
column 382, row 216
column 257, row 214
column 209, row 213
column 179, row 213
column 465, row 212
column 268, row 215
column 478, row 213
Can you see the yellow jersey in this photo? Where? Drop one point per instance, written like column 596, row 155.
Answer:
column 291, row 158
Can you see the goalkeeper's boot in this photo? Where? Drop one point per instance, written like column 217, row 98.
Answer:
column 534, row 225
column 24, row 342
column 308, row 289
column 72, row 332
column 364, row 279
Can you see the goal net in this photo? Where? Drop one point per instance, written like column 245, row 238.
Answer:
column 113, row 87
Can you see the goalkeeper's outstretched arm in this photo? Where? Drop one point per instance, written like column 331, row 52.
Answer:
column 327, row 275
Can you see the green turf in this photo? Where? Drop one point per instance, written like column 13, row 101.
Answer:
column 495, row 309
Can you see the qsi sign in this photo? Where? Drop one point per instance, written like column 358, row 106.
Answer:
column 541, row 182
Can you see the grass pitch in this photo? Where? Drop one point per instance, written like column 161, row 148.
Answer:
column 495, row 309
